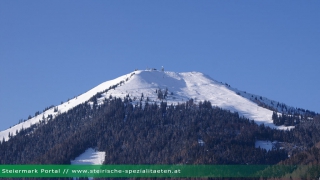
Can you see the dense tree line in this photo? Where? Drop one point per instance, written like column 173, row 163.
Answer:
column 287, row 120
column 170, row 134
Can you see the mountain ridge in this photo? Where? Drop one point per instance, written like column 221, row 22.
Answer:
column 181, row 87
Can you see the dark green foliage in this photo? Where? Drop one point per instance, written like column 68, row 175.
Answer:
column 160, row 94
column 155, row 134
column 169, row 135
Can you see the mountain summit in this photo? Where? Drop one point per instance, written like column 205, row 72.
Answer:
column 157, row 86
column 182, row 87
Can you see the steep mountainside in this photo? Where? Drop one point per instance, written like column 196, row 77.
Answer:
column 173, row 88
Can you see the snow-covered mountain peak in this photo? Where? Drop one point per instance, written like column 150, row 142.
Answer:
column 144, row 85
column 182, row 87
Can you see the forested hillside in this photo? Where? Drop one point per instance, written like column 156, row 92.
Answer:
column 151, row 134
column 186, row 134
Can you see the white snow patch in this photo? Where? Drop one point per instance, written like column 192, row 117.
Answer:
column 267, row 145
column 89, row 157
column 201, row 142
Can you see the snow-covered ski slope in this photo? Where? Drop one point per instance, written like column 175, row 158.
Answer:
column 195, row 85
column 89, row 157
column 181, row 87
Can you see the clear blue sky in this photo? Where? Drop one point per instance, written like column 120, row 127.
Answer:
column 54, row 50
